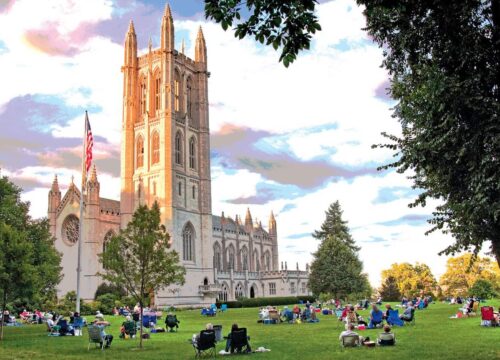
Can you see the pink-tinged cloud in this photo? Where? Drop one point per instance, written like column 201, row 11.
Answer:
column 6, row 5
column 49, row 40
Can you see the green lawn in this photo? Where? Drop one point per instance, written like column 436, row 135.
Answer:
column 434, row 336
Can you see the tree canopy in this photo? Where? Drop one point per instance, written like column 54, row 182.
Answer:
column 336, row 227
column 462, row 272
column 29, row 264
column 443, row 59
column 337, row 270
column 389, row 291
column 411, row 280
column 138, row 258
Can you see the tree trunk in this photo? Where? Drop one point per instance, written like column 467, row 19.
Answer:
column 4, row 305
column 140, row 317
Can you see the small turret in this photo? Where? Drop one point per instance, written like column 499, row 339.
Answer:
column 200, row 52
column 93, row 189
column 130, row 46
column 248, row 221
column 54, row 201
column 272, row 225
column 167, row 30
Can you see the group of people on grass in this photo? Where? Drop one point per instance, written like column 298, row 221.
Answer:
column 294, row 315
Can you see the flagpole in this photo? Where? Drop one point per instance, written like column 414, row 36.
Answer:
column 80, row 237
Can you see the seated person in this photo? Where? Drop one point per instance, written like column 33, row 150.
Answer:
column 350, row 332
column 229, row 342
column 376, row 316
column 51, row 323
column 108, row 338
column 196, row 337
column 171, row 322
column 351, row 317
column 387, row 337
column 99, row 316
column 136, row 316
column 128, row 328
column 64, row 328
column 407, row 315
column 296, row 311
column 286, row 314
column 388, row 307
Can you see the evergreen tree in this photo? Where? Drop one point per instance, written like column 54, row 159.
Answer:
column 337, row 270
column 336, row 227
column 389, row 290
column 138, row 258
column 29, row 264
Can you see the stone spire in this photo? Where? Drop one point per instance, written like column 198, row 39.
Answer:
column 54, row 202
column 167, row 30
column 55, row 185
column 93, row 175
column 183, row 47
column 130, row 46
column 200, row 53
column 93, row 187
column 248, row 221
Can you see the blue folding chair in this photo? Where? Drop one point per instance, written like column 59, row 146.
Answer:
column 376, row 318
column 393, row 318
column 223, row 307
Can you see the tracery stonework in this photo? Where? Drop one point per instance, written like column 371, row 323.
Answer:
column 165, row 156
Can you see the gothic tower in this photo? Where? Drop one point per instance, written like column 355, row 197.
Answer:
column 166, row 145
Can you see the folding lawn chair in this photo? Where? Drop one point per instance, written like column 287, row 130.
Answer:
column 393, row 318
column 385, row 339
column 95, row 337
column 487, row 315
column 411, row 320
column 239, row 341
column 350, row 341
column 223, row 308
column 205, row 345
column 172, row 323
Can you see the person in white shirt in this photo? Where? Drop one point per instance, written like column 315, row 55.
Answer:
column 350, row 332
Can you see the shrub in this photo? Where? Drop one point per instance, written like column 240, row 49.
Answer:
column 106, row 288
column 90, row 307
column 107, row 303
column 482, row 289
column 273, row 301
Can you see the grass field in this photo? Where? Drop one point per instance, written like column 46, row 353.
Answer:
column 434, row 336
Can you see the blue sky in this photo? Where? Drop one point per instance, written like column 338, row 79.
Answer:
column 289, row 140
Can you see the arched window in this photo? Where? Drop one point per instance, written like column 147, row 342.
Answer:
column 71, row 230
column 244, row 258
column 188, row 242
column 155, row 148
column 257, row 262
column 107, row 239
column 268, row 261
column 139, row 155
column 180, row 189
column 157, row 85
column 143, row 96
column 177, row 92
column 230, row 252
column 189, row 97
column 238, row 293
column 192, row 153
column 178, row 148
column 194, row 192
column 223, row 293
column 217, row 257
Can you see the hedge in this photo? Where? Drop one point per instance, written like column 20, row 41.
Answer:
column 265, row 301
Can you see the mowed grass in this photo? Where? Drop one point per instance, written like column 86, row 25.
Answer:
column 434, row 336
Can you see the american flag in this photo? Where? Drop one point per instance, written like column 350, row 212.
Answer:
column 89, row 143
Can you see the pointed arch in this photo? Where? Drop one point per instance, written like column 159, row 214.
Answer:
column 188, row 236
column 177, row 91
column 155, row 147
column 224, row 292
column 267, row 261
column 239, row 291
column 157, row 90
column 178, row 147
column 231, row 257
column 256, row 260
column 192, row 152
column 143, row 95
column 189, row 97
column 244, row 258
column 139, row 152
column 217, row 257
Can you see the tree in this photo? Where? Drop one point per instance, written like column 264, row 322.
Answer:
column 337, row 270
column 389, row 290
column 411, row 280
column 29, row 264
column 483, row 289
column 138, row 258
column 336, row 227
column 462, row 272
column 287, row 24
column 444, row 61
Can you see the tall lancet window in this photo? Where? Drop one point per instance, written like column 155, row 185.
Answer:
column 157, row 91
column 244, row 259
column 192, row 153
column 230, row 264
column 139, row 152
column 178, row 148
column 177, row 92
column 155, row 148
column 143, row 96
column 189, row 98
column 188, row 242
